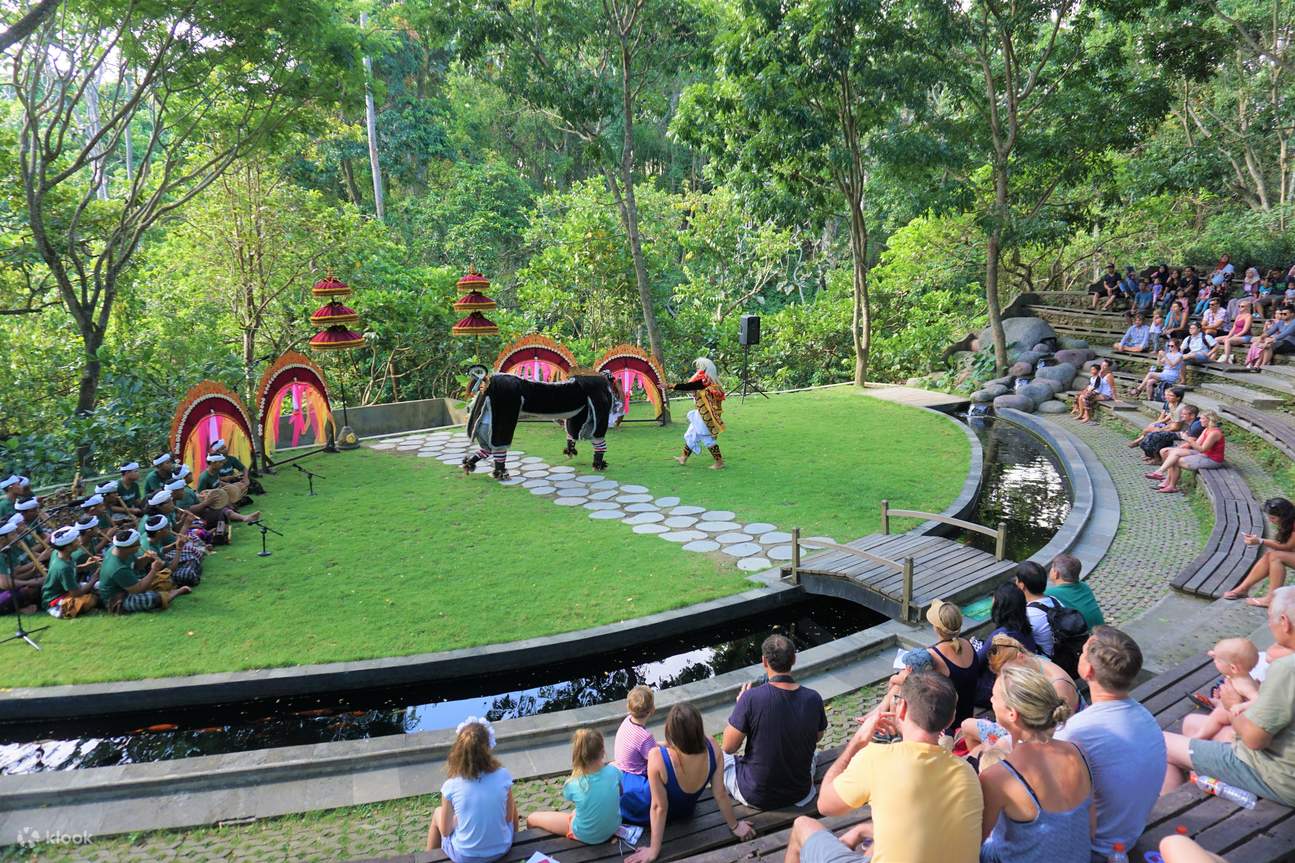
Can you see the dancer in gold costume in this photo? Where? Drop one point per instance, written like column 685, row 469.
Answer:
column 705, row 421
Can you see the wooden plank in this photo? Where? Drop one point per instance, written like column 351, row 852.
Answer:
column 1241, row 826
column 1277, row 845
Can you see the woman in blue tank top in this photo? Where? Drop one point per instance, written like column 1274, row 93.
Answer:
column 1038, row 800
column 678, row 773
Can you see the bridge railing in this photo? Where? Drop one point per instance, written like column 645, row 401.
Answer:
column 999, row 533
column 904, row 566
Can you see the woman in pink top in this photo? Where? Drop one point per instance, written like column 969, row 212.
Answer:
column 1237, row 336
column 1199, row 453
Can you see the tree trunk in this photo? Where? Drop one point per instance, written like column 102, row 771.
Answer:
column 860, row 318
column 630, row 213
column 993, row 254
column 371, row 126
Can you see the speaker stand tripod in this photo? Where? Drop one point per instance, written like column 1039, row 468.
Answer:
column 746, row 376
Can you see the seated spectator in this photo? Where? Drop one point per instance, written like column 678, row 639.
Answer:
column 1064, row 584
column 633, row 745
column 477, row 816
column 780, row 723
column 1261, row 759
column 1100, row 388
column 1269, row 294
column 1032, row 581
column 1137, row 338
column 1281, row 340
column 952, row 656
column 1235, row 659
column 1007, row 611
column 1215, row 318
column 1254, row 356
column 1170, row 418
column 1169, row 373
column 1143, row 300
column 1156, row 444
column 19, row 585
column 1196, row 453
column 1106, row 288
column 62, row 587
column 1203, row 294
column 1222, row 274
column 1237, row 336
column 1176, row 319
column 1250, row 284
column 1129, row 284
column 982, row 734
column 1197, row 346
column 926, row 803
column 678, row 773
column 122, row 589
column 1279, row 552
column 594, row 790
column 1157, row 329
column 1120, row 740
column 1038, row 799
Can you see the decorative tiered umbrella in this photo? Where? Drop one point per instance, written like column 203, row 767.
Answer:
column 474, row 301
column 335, row 334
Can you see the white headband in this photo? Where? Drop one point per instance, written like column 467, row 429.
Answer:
column 218, row 443
column 27, row 505
column 477, row 720
column 155, row 523
column 87, row 523
column 131, row 539
column 162, row 459
column 91, row 501
column 182, row 471
column 8, row 481
column 109, row 487
column 174, row 485
column 160, row 498
column 65, row 536
column 16, row 518
column 7, row 528
column 215, row 457
column 129, row 466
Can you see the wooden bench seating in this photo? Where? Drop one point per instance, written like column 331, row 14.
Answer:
column 1225, row 558
column 704, row 832
column 1265, row 834
column 1277, row 429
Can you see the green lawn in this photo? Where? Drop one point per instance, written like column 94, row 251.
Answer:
column 401, row 555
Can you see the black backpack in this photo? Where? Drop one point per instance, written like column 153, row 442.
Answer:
column 1069, row 632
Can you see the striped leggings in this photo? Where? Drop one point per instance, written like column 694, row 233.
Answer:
column 145, row 600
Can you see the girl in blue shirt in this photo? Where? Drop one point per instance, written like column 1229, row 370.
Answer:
column 594, row 788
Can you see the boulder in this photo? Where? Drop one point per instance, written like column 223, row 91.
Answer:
column 1053, row 407
column 1031, row 357
column 1020, row 370
column 1037, row 392
column 1072, row 343
column 1055, row 386
column 1006, row 381
column 996, row 390
column 1080, row 381
column 981, row 397
column 1042, row 348
column 1075, row 356
column 1021, row 331
column 1063, row 372
column 1015, row 401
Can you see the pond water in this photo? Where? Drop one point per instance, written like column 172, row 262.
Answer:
column 593, row 679
column 1022, row 486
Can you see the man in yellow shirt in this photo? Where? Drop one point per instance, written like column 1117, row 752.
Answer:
column 926, row 803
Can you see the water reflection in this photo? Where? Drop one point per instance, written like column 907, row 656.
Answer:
column 375, row 713
column 1022, row 486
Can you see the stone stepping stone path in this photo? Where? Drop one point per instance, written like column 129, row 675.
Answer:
column 757, row 546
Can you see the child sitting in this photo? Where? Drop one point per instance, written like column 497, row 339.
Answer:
column 594, row 788
column 634, row 742
column 1235, row 659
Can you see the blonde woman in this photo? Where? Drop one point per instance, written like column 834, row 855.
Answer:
column 477, row 816
column 1204, row 452
column 951, row 655
column 982, row 735
column 594, row 789
column 1039, row 799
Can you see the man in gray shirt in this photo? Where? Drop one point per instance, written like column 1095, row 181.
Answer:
column 1282, row 338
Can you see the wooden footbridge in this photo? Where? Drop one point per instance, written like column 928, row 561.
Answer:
column 900, row 575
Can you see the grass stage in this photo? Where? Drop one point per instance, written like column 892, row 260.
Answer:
column 399, row 555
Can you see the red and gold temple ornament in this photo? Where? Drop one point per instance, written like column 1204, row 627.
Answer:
column 334, row 318
column 474, row 301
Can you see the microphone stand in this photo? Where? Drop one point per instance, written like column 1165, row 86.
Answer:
column 264, row 528
column 310, row 478
column 21, row 634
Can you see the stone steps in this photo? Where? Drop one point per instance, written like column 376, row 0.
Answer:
column 1243, row 395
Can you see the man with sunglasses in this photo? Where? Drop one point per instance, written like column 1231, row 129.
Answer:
column 1282, row 338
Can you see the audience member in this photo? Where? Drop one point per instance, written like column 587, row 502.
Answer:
column 1137, row 338
column 1007, row 611
column 1197, row 453
column 1198, row 344
column 980, row 734
column 1038, row 799
column 780, row 723
column 1119, row 738
column 1100, row 388
column 686, row 761
column 1155, row 446
column 1064, row 584
column 1170, row 418
column 957, row 661
column 1032, row 581
column 1170, row 371
column 1280, row 340
column 1106, row 288
column 477, row 816
column 633, row 745
column 594, row 790
column 1237, row 336
column 1235, row 659
column 926, row 803
column 1261, row 759
column 1279, row 552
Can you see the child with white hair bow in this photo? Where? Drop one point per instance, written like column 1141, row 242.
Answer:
column 705, row 421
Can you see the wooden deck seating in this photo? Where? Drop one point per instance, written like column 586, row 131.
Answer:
column 1265, row 834
column 702, row 833
column 1225, row 558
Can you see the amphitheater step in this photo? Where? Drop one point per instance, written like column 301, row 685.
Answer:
column 1243, row 395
